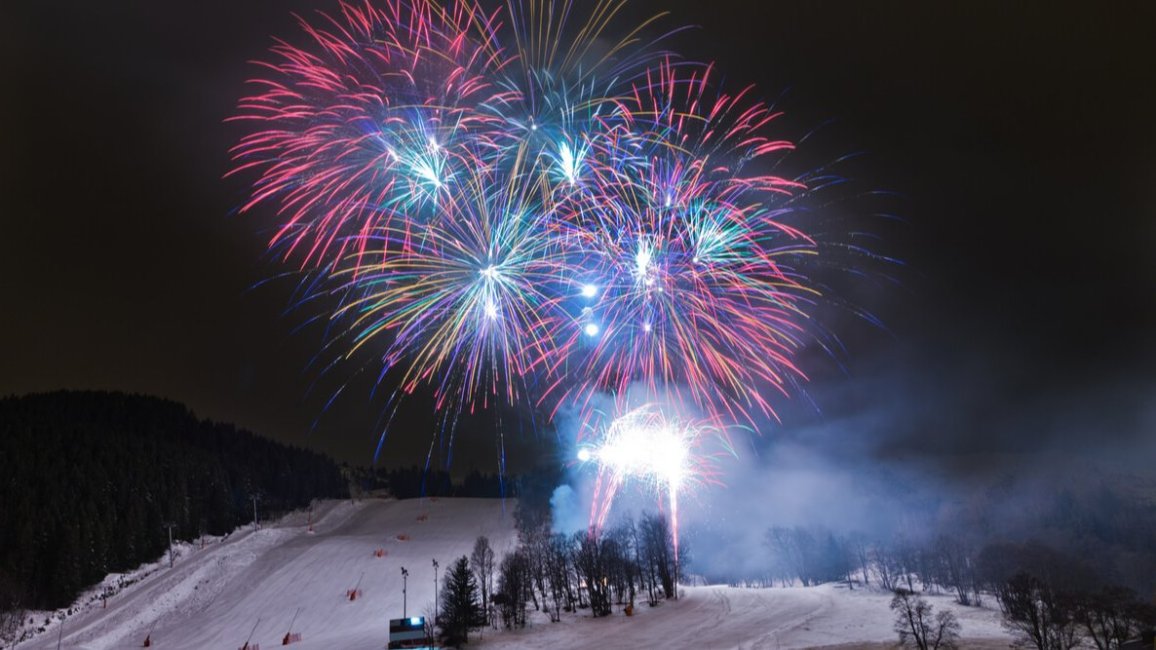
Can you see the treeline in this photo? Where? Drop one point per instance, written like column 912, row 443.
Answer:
column 1055, row 601
column 814, row 555
column 533, row 486
column 1051, row 599
column 1110, row 529
column 413, row 482
column 1092, row 580
column 89, row 481
column 596, row 569
column 557, row 573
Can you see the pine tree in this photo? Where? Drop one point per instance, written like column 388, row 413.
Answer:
column 460, row 608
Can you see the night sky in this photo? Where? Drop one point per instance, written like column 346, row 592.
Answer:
column 1015, row 144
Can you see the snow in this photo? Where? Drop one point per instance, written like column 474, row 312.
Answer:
column 214, row 597
column 255, row 580
column 733, row 617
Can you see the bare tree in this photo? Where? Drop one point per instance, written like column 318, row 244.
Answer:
column 590, row 563
column 513, row 587
column 957, row 569
column 533, row 524
column 658, row 552
column 620, row 565
column 813, row 555
column 785, row 559
column 1109, row 616
column 1038, row 612
column 788, row 554
column 559, row 575
column 906, row 556
column 916, row 624
column 886, row 566
column 535, row 546
column 860, row 547
column 1038, row 590
column 482, row 564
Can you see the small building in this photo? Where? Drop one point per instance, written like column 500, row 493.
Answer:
column 408, row 633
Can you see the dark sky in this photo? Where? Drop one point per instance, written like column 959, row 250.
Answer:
column 1019, row 142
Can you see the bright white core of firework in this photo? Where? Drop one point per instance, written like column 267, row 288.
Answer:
column 647, row 451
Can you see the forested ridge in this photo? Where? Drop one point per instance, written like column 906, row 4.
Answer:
column 89, row 480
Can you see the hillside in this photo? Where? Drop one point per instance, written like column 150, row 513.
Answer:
column 91, row 482
column 256, row 581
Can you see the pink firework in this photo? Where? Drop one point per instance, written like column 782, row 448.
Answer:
column 680, row 229
column 366, row 122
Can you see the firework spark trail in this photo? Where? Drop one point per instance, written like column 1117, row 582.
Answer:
column 647, row 444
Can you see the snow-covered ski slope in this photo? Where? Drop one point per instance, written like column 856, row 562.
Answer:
column 255, row 582
column 214, row 598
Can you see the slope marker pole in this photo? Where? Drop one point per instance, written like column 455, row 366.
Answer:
column 251, row 632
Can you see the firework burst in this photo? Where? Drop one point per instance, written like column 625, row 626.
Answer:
column 652, row 446
column 678, row 227
column 367, row 122
column 460, row 302
column 512, row 205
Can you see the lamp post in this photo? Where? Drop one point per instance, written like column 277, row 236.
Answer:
column 435, row 566
column 170, row 526
column 404, row 580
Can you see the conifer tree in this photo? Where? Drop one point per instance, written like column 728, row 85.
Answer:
column 460, row 609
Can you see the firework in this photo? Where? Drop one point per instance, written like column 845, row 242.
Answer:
column 680, row 229
column 511, row 205
column 651, row 446
column 368, row 122
column 459, row 303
